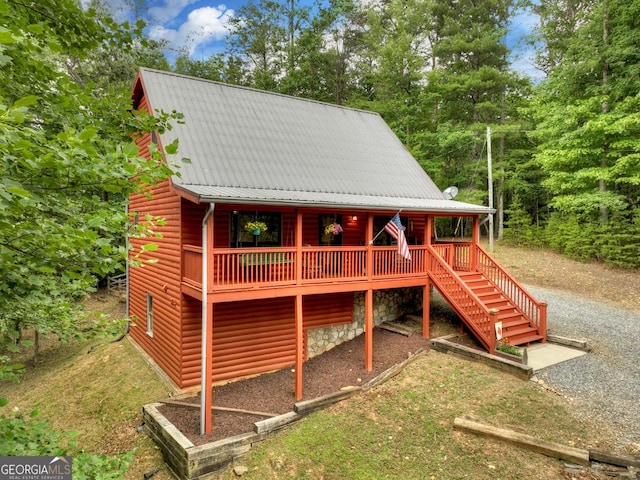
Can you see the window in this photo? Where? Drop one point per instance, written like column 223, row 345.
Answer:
column 149, row 314
column 241, row 235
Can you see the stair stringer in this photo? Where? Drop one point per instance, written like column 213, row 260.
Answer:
column 471, row 310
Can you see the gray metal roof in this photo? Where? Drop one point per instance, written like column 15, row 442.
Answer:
column 251, row 146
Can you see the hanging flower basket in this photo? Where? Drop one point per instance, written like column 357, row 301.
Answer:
column 256, row 228
column 333, row 228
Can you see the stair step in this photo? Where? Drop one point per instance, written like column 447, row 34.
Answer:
column 481, row 287
column 485, row 291
column 513, row 323
column 519, row 331
column 466, row 275
column 488, row 295
column 527, row 339
column 499, row 303
column 512, row 316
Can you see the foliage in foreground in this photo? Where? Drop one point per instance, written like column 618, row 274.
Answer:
column 69, row 162
column 33, row 437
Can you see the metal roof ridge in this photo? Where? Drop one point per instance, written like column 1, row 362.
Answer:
column 257, row 90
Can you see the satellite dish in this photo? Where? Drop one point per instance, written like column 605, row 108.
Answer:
column 450, row 193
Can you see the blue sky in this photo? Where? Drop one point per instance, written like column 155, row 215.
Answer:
column 199, row 27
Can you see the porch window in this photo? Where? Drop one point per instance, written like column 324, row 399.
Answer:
column 242, row 235
column 149, row 314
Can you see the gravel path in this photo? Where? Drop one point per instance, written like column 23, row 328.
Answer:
column 604, row 385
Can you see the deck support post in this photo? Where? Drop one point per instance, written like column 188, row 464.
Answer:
column 299, row 318
column 299, row 347
column 426, row 305
column 426, row 289
column 475, row 240
column 368, row 301
column 368, row 330
column 206, row 365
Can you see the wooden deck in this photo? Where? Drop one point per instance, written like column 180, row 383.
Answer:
column 478, row 289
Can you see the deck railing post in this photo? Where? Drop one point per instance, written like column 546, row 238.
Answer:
column 493, row 317
column 298, row 254
column 542, row 327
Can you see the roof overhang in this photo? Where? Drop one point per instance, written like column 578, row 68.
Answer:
column 256, row 196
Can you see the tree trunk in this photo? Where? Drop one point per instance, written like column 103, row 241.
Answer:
column 602, row 184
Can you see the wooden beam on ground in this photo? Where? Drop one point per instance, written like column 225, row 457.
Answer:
column 617, row 459
column 179, row 403
column 396, row 328
column 550, row 449
column 441, row 344
column 308, row 406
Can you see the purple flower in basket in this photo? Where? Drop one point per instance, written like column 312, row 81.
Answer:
column 333, row 228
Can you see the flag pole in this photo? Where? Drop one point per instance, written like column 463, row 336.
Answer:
column 378, row 234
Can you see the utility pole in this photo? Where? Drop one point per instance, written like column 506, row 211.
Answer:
column 490, row 186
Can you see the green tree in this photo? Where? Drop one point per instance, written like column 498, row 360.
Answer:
column 395, row 52
column 321, row 54
column 471, row 86
column 589, row 126
column 258, row 36
column 212, row 68
column 68, row 165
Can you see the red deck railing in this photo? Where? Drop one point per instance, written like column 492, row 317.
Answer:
column 534, row 310
column 254, row 267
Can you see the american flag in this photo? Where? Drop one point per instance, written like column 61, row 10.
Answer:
column 394, row 228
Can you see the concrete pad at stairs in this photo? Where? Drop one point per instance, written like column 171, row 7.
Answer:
column 544, row 355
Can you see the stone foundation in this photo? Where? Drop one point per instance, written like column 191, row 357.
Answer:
column 388, row 305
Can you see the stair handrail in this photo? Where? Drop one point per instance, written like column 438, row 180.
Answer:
column 488, row 338
column 534, row 310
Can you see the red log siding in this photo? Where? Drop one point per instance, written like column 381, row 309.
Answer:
column 326, row 310
column 354, row 231
column 221, row 228
column 191, row 341
column 192, row 216
column 309, row 229
column 145, row 139
column 257, row 336
column 161, row 279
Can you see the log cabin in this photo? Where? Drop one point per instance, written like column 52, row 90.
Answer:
column 280, row 228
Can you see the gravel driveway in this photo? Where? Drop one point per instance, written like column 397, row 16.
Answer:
column 604, row 385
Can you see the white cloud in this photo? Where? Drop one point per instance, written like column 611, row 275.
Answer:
column 170, row 10
column 201, row 26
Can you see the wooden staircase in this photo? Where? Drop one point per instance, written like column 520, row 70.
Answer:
column 482, row 293
column 517, row 329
